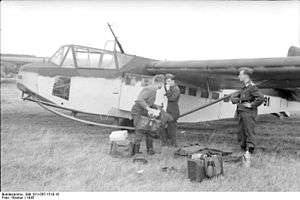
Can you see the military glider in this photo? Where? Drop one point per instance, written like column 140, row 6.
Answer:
column 104, row 82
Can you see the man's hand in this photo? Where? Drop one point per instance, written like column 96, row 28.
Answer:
column 167, row 87
column 247, row 105
column 153, row 112
column 234, row 100
column 149, row 111
column 148, row 108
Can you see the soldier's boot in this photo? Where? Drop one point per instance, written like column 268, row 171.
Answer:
column 246, row 159
column 134, row 148
column 137, row 148
column 250, row 147
column 251, row 150
column 243, row 147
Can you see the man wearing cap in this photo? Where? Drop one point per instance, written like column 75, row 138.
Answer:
column 143, row 105
column 173, row 94
column 247, row 102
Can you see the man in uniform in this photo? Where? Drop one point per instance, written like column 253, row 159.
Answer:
column 247, row 102
column 142, row 106
column 173, row 94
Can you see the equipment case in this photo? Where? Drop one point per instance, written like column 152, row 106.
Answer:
column 204, row 166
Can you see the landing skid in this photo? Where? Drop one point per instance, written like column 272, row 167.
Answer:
column 48, row 106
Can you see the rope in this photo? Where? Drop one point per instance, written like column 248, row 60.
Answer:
column 216, row 101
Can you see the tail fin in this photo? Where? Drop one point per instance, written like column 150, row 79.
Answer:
column 294, row 51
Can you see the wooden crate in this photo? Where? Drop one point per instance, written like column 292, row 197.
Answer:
column 120, row 149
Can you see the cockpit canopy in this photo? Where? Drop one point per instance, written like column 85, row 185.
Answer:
column 88, row 57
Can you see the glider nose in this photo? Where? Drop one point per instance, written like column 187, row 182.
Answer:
column 27, row 79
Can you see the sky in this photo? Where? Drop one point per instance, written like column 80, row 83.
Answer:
column 165, row 30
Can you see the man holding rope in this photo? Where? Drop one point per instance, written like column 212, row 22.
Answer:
column 247, row 102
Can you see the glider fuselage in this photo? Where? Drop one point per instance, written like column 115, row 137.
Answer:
column 102, row 82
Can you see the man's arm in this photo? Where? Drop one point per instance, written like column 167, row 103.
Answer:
column 258, row 97
column 174, row 94
column 235, row 98
column 143, row 96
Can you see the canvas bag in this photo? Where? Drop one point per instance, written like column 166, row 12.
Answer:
column 148, row 124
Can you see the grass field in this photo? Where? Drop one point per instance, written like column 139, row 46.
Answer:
column 41, row 151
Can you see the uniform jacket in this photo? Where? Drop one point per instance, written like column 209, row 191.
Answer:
column 173, row 95
column 249, row 94
column 145, row 98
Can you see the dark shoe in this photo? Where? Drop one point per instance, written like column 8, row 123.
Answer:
column 150, row 152
column 251, row 150
column 134, row 148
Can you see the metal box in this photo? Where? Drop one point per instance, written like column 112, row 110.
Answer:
column 196, row 169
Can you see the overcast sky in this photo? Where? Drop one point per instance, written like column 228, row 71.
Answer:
column 180, row 30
